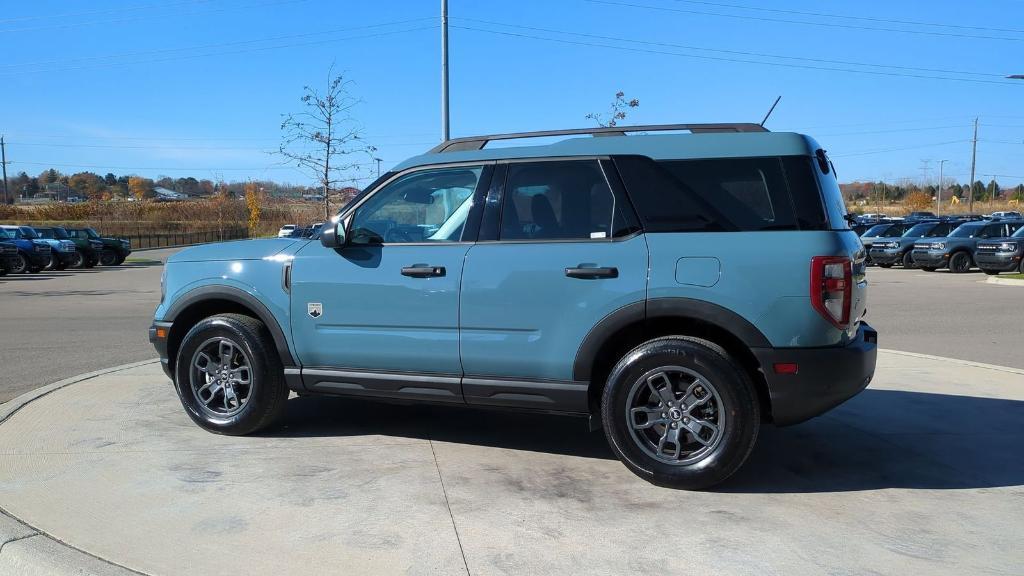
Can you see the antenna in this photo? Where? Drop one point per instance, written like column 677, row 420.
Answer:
column 770, row 110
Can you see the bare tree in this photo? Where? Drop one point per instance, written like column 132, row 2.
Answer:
column 616, row 112
column 325, row 139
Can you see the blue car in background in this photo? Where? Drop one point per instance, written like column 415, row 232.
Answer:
column 621, row 278
column 33, row 254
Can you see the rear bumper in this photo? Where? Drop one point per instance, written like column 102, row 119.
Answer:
column 160, row 343
column 1002, row 262
column 827, row 377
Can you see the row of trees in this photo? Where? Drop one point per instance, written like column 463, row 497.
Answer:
column 874, row 191
column 93, row 186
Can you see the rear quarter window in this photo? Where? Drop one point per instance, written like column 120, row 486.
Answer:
column 724, row 194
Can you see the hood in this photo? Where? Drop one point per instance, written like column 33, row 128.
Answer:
column 237, row 250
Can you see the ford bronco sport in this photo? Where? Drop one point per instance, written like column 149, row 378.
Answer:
column 676, row 288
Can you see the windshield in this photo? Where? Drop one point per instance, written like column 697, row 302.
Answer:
column 877, row 230
column 92, row 233
column 1019, row 233
column 967, row 230
column 8, row 233
column 45, row 233
column 60, row 233
column 28, row 232
column 919, row 230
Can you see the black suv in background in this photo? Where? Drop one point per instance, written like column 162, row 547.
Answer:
column 956, row 251
column 883, row 230
column 996, row 255
column 898, row 249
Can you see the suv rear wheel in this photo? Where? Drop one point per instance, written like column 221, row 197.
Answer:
column 908, row 260
column 679, row 413
column 78, row 260
column 19, row 264
column 228, row 375
column 108, row 258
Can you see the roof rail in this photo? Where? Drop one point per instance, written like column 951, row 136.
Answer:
column 478, row 142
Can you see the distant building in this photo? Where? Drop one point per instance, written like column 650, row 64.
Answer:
column 167, row 194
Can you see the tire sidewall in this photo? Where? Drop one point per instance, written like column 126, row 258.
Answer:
column 249, row 417
column 108, row 258
column 78, row 261
column 908, row 260
column 738, row 402
column 956, row 259
column 23, row 267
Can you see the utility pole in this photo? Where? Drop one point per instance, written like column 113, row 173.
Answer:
column 974, row 157
column 3, row 162
column 938, row 195
column 445, row 133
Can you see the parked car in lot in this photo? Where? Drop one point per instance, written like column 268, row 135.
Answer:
column 286, row 230
column 33, row 253
column 113, row 251
column 956, row 251
column 995, row 255
column 891, row 250
column 62, row 249
column 920, row 215
column 8, row 256
column 611, row 277
column 1006, row 215
column 89, row 248
column 883, row 230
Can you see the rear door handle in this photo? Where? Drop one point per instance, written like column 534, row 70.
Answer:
column 592, row 273
column 423, row 271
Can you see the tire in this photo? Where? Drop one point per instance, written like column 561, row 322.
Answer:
column 908, row 260
column 120, row 260
column 108, row 258
column 50, row 263
column 960, row 263
column 78, row 261
column 90, row 261
column 20, row 264
column 691, row 366
column 1021, row 267
column 886, row 265
column 928, row 268
column 262, row 400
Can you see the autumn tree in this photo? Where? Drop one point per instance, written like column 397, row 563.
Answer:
column 88, row 184
column 254, row 203
column 324, row 139
column 616, row 112
column 918, row 200
column 140, row 187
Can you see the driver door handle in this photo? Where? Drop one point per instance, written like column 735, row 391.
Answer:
column 592, row 273
column 423, row 271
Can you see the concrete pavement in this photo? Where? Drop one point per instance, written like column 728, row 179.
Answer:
column 920, row 474
column 59, row 324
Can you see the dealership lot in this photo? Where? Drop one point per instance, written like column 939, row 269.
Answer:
column 932, row 443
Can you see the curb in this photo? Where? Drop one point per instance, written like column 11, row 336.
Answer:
column 28, row 551
column 969, row 363
column 1004, row 281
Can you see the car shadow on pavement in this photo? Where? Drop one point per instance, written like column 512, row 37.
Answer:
column 879, row 439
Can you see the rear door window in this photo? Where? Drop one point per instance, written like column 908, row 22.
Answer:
column 723, row 195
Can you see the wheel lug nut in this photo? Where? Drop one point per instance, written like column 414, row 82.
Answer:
column 674, row 425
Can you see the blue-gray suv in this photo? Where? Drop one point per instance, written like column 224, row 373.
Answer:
column 677, row 288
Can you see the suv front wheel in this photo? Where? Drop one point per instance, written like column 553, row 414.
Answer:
column 679, row 412
column 228, row 375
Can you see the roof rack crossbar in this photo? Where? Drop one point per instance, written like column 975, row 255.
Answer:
column 478, row 142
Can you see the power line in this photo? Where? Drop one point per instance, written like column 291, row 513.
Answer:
column 170, row 168
column 136, row 18
column 208, row 46
column 737, row 52
column 806, row 23
column 103, row 11
column 739, row 60
column 900, row 149
column 222, row 53
column 849, row 17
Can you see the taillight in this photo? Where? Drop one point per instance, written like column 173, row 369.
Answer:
column 831, row 288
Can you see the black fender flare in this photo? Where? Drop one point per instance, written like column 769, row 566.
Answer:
column 657, row 308
column 232, row 294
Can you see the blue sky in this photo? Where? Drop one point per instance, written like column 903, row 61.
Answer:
column 197, row 87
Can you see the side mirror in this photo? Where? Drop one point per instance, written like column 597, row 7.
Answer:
column 332, row 235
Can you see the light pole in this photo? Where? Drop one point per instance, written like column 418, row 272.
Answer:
column 378, row 161
column 938, row 195
column 445, row 133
